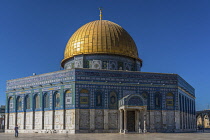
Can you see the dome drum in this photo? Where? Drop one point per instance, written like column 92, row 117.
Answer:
column 103, row 61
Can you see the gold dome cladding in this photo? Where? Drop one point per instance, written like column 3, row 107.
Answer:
column 100, row 37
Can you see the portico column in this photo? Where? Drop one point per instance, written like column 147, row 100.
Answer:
column 125, row 121
column 139, row 121
column 121, row 121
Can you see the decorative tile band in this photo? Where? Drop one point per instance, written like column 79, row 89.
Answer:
column 37, row 80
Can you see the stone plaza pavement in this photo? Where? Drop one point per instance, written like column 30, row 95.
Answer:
column 109, row 136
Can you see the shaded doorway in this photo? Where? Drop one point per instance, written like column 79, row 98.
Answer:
column 131, row 121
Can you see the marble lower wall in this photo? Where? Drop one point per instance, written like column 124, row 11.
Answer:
column 48, row 120
column 58, row 121
column 38, row 120
column 96, row 120
column 20, row 120
column 69, row 119
column 10, row 122
column 29, row 120
column 169, row 121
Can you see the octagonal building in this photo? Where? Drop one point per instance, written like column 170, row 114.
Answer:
column 100, row 90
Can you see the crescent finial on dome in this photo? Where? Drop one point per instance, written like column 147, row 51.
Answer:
column 100, row 9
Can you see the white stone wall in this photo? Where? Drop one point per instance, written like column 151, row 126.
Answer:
column 58, row 119
column 106, row 117
column 20, row 120
column 148, row 120
column 11, row 121
column 152, row 121
column 6, row 118
column 70, row 119
column 48, row 120
column 29, row 120
column 99, row 119
column 170, row 120
column 84, row 119
column 38, row 120
column 113, row 119
column 177, row 120
column 162, row 121
column 92, row 119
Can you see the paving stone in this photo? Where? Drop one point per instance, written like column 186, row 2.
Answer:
column 109, row 136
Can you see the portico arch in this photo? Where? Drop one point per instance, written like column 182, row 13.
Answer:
column 133, row 109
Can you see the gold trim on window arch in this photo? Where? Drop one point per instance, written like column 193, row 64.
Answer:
column 67, row 91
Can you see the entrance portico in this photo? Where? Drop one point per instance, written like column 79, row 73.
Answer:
column 133, row 110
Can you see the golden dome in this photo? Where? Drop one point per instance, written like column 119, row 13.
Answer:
column 100, row 37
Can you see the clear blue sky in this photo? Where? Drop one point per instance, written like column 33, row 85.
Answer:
column 173, row 36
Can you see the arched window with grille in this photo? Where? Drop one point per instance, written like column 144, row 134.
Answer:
column 113, row 101
column 36, row 101
column 169, row 100
column 84, row 98
column 27, row 102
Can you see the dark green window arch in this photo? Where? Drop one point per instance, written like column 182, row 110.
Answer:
column 46, row 99
column 27, row 102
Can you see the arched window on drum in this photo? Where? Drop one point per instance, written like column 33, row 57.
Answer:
column 157, row 101
column 68, row 99
column 169, row 101
column 57, row 100
column 84, row 98
column 27, row 102
column 19, row 103
column 113, row 101
column 36, row 101
column 146, row 96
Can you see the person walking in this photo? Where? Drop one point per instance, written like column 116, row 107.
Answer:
column 16, row 131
